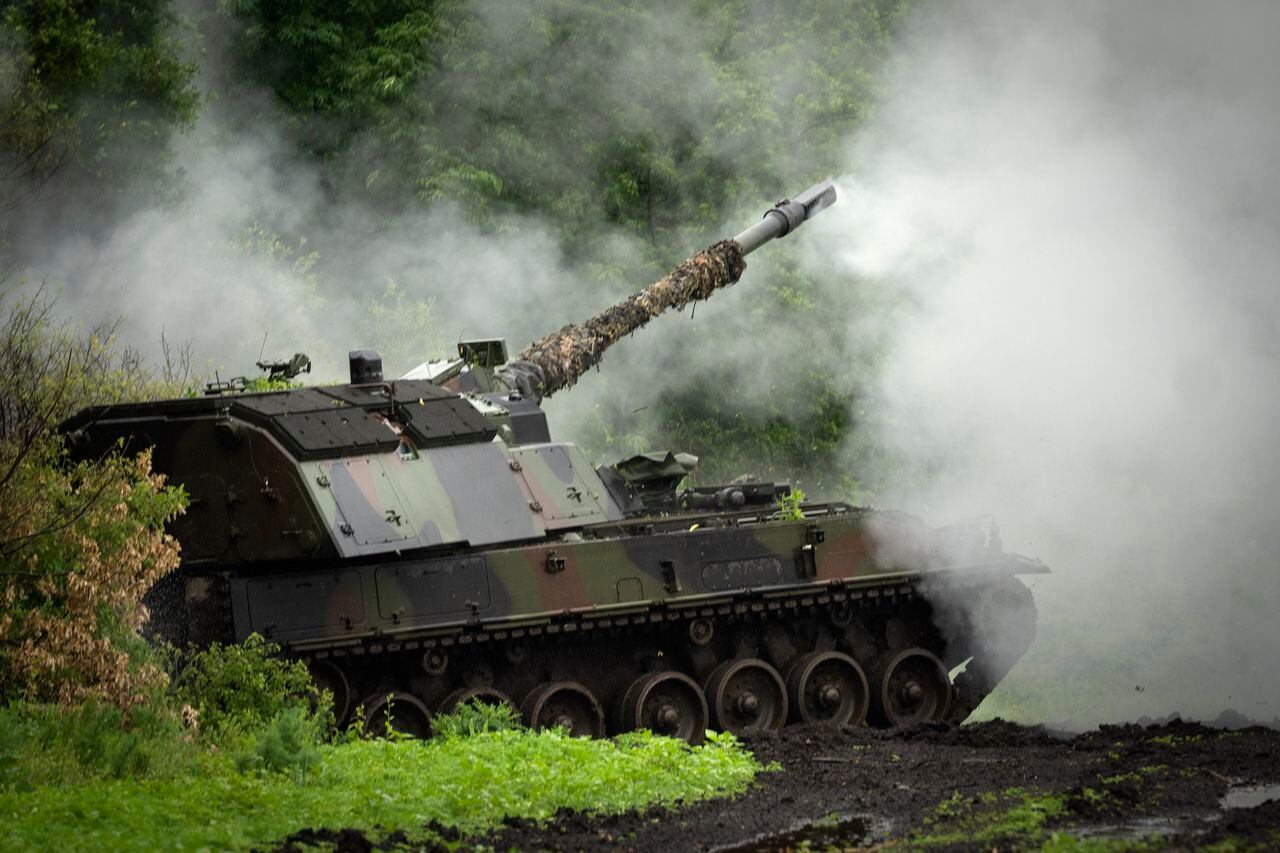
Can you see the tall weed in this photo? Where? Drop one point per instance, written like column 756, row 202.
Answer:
column 476, row 717
column 52, row 745
column 246, row 687
column 290, row 742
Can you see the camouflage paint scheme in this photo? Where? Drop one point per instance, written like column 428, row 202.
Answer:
column 375, row 520
column 625, row 573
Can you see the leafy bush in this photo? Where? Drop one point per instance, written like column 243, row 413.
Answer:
column 80, row 546
column 243, row 688
column 97, row 736
column 116, row 745
column 79, row 543
column 260, row 712
column 475, row 717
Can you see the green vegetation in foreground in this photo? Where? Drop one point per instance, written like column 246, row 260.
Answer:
column 470, row 782
column 237, row 749
column 1014, row 815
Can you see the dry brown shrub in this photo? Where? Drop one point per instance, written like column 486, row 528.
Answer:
column 80, row 543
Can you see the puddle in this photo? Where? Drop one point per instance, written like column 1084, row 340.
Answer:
column 1248, row 796
column 1130, row 830
column 837, row 831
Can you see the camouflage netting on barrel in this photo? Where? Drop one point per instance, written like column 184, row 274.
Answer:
column 561, row 358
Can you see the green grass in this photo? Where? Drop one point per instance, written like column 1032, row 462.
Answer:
column 471, row 783
column 1017, row 818
column 1015, row 815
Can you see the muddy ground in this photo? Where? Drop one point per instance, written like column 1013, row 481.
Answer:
column 988, row 786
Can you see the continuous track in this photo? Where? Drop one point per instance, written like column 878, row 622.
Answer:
column 746, row 663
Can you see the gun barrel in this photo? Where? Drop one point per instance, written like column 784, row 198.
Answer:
column 557, row 360
column 787, row 215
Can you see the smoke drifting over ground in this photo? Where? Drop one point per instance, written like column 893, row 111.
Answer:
column 1082, row 203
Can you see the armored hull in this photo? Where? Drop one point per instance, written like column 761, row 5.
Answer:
column 386, row 534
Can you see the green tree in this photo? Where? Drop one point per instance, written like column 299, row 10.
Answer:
column 337, row 67
column 89, row 89
column 658, row 118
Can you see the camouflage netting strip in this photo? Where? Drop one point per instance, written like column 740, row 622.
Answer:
column 562, row 357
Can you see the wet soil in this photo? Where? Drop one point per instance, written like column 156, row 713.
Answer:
column 993, row 785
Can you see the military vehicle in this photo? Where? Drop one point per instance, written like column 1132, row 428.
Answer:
column 422, row 542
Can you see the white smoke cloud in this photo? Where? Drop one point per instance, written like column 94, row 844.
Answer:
column 1080, row 205
column 229, row 261
column 219, row 269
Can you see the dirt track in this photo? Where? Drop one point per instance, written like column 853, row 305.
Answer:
column 985, row 786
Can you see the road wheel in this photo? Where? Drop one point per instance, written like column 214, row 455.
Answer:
column 666, row 703
column 566, row 704
column 746, row 697
column 911, row 686
column 827, row 688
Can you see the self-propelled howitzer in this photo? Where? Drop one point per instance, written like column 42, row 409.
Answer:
column 423, row 542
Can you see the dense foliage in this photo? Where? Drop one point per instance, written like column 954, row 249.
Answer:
column 242, row 685
column 95, row 88
column 656, row 117
column 82, row 545
column 79, row 543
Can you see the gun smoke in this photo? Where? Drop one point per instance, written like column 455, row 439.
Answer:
column 1081, row 205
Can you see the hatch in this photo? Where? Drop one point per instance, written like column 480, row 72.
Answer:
column 372, row 507
column 556, row 476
